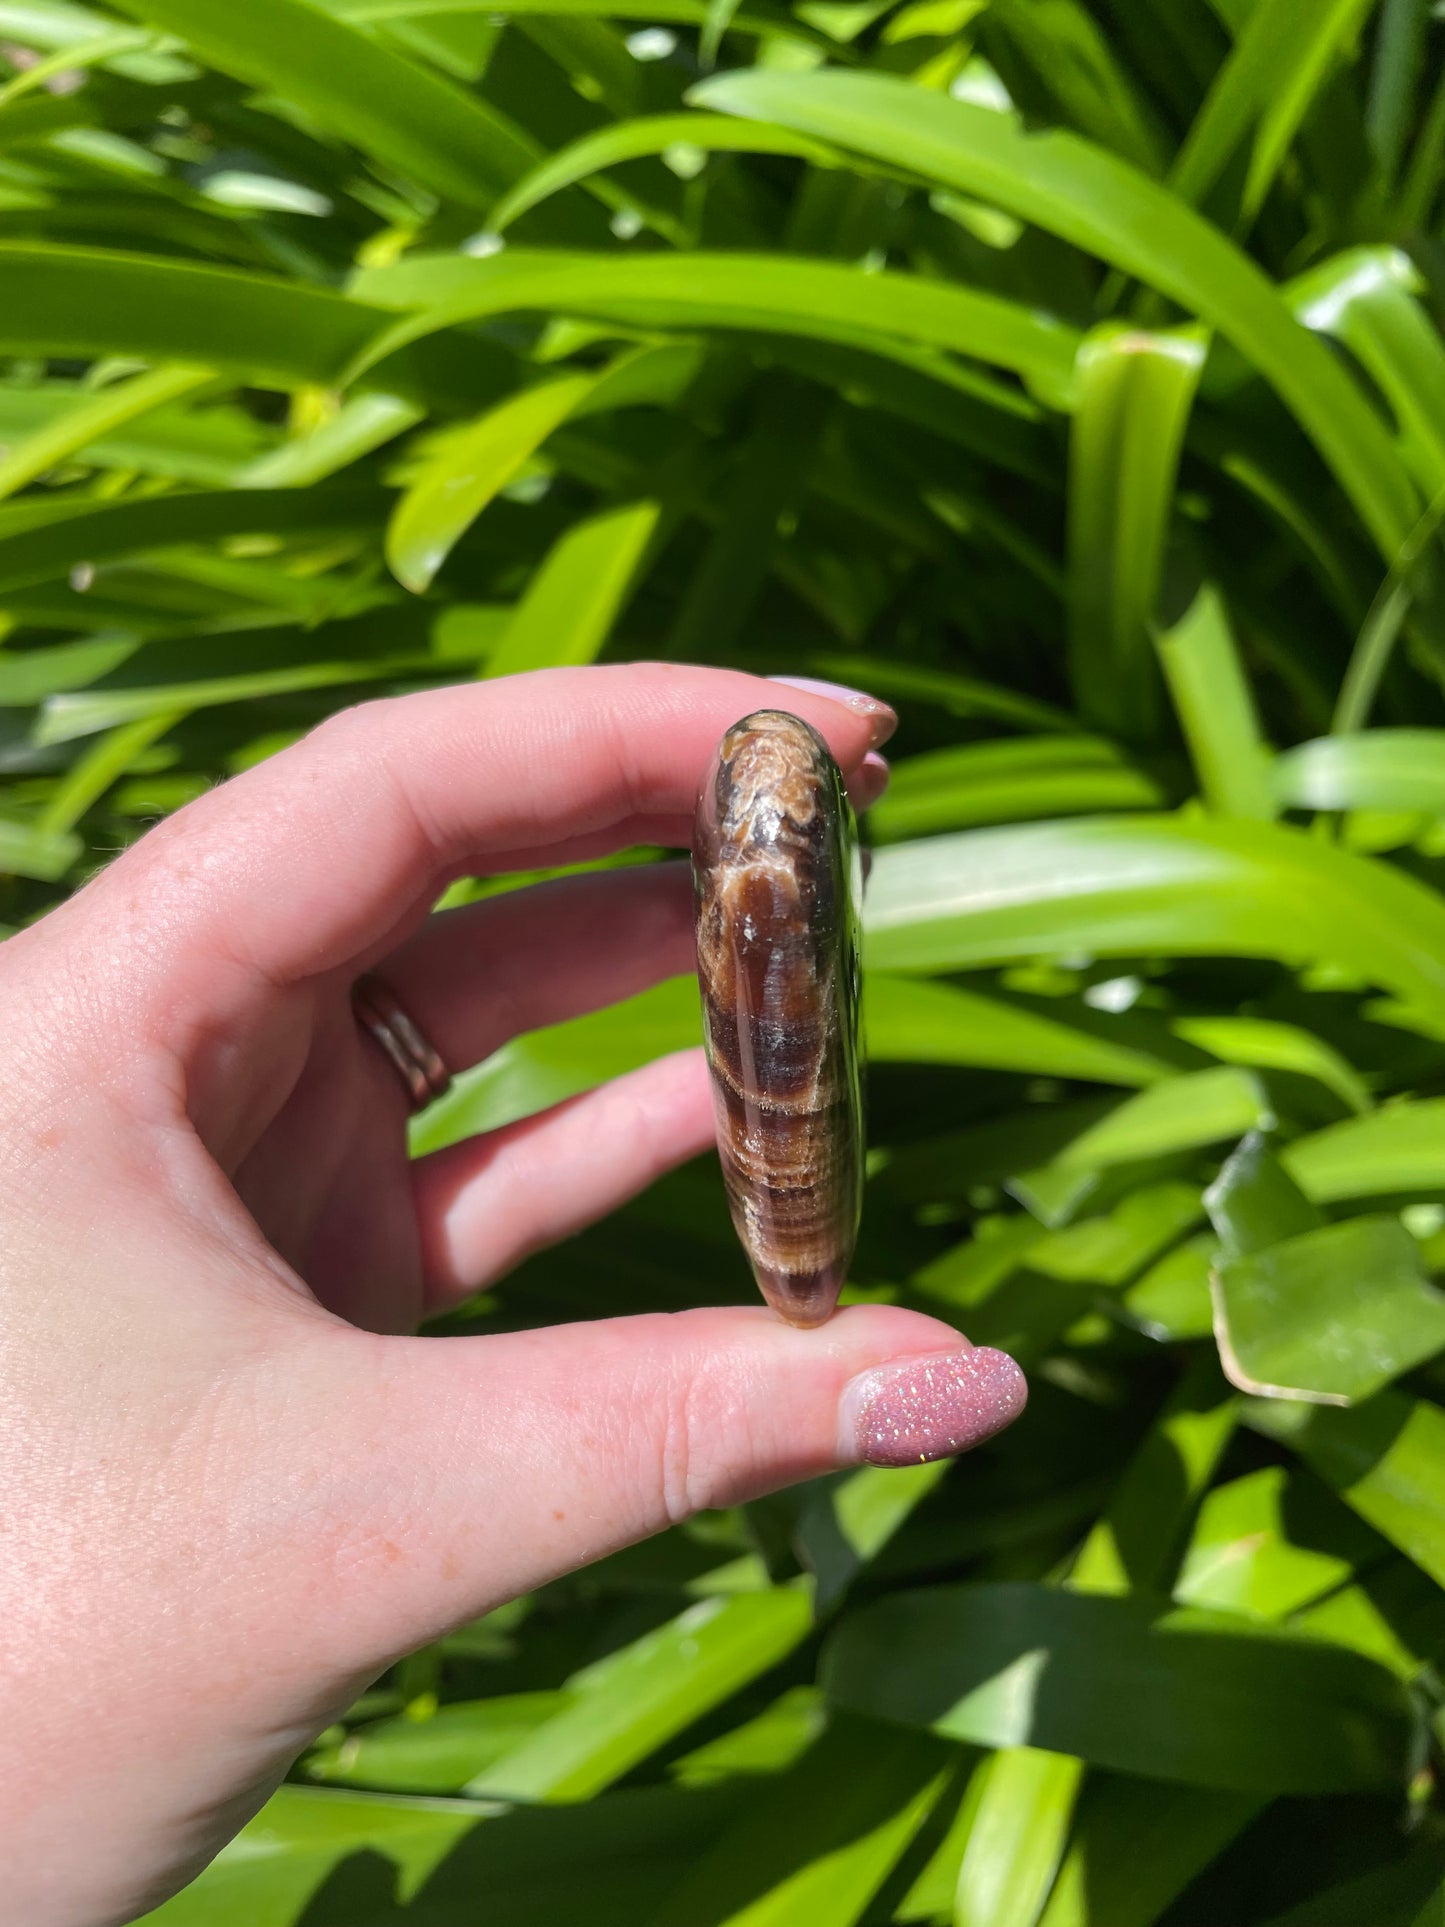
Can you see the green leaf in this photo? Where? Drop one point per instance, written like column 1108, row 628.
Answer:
column 1099, row 203
column 27, row 851
column 1261, row 95
column 909, row 1022
column 752, row 292
column 1266, row 1045
column 1254, row 1203
column 817, row 1842
column 1019, row 1288
column 906, row 1022
column 1365, row 298
column 1025, row 1798
column 68, row 716
column 765, row 487
column 100, row 767
column 1126, row 1683
column 361, row 425
column 951, row 789
column 1330, row 1316
column 392, row 108
column 1385, row 1458
column 92, row 420
column 848, row 1521
column 761, row 21
column 719, row 19
column 1374, row 769
column 1171, row 1301
column 1386, row 1896
column 1421, row 185
column 1160, row 885
column 1135, row 391
column 1135, row 1544
column 434, row 1755
column 954, row 694
column 1180, row 1113
column 1393, row 603
column 577, row 593
column 312, row 1850
column 637, row 139
column 43, row 541
column 1216, row 709
column 1136, row 1846
column 1397, row 1149
column 1391, row 1612
column 1025, row 1801
column 623, row 1708
column 1399, row 52
column 208, row 445
column 780, row 1734
column 1071, row 57
column 75, row 57
column 469, row 471
column 1269, row 1543
column 266, row 1875
column 84, row 302
column 549, row 1065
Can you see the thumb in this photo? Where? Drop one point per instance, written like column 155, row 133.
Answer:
column 499, row 1463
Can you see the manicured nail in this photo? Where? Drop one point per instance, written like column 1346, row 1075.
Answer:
column 931, row 1407
column 870, row 780
column 882, row 719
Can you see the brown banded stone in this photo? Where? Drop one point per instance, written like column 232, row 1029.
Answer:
column 777, row 879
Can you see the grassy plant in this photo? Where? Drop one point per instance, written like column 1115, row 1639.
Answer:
column 1069, row 372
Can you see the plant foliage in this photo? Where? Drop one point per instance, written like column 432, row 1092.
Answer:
column 1069, row 372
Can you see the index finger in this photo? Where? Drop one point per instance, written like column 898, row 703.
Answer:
column 323, row 856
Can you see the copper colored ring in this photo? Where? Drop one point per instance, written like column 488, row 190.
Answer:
column 417, row 1062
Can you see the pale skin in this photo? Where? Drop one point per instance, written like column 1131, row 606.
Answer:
column 234, row 1488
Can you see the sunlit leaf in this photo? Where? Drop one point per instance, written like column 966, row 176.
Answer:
column 392, row 108
column 1135, row 391
column 627, row 1704
column 1091, row 198
column 457, row 483
column 1126, row 1683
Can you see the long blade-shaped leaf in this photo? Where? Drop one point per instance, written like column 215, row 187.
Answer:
column 93, row 419
column 1098, row 202
column 634, row 139
column 395, row 109
column 1262, row 93
column 85, row 303
column 1216, row 709
column 575, row 596
column 1135, row 391
column 456, row 485
column 629, row 1703
column 1125, row 1682
column 1163, row 885
column 769, row 293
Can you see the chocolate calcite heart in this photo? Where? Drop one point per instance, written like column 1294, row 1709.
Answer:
column 778, row 880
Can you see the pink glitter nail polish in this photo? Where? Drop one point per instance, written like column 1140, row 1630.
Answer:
column 931, row 1407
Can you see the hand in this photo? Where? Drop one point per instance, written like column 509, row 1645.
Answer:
column 234, row 1493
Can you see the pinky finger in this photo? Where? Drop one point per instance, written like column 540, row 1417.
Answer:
column 484, row 1205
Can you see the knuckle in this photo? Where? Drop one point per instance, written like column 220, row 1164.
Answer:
column 693, row 1468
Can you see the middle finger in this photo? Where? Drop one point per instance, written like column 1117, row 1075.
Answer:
column 475, row 977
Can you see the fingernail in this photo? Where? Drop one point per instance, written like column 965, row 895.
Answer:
column 870, row 781
column 883, row 721
column 931, row 1407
